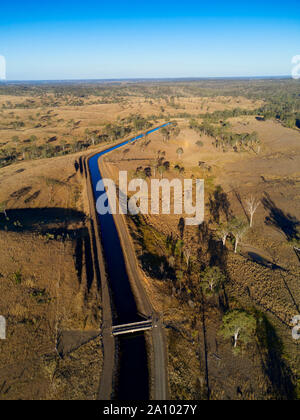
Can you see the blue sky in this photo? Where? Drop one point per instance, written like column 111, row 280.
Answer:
column 123, row 39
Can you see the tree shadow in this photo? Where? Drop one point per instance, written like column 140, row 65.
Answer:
column 203, row 232
column 217, row 256
column 260, row 260
column 83, row 257
column 290, row 293
column 77, row 166
column 274, row 365
column 181, row 227
column 297, row 253
column 218, row 204
column 157, row 267
column 239, row 199
column 53, row 224
column 218, row 253
column 33, row 197
column 79, row 258
column 205, row 342
column 39, row 219
column 89, row 266
column 282, row 222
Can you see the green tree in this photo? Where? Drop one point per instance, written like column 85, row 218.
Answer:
column 179, row 276
column 87, row 134
column 239, row 326
column 187, row 255
column 63, row 144
column 223, row 232
column 17, row 276
column 16, row 140
column 175, row 131
column 33, row 139
column 179, row 152
column 179, row 247
column 238, row 228
column 212, row 279
column 166, row 134
column 161, row 169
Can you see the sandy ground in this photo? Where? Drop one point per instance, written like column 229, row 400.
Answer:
column 48, row 122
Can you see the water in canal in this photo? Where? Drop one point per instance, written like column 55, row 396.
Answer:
column 133, row 378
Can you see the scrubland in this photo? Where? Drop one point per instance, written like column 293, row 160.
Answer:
column 243, row 139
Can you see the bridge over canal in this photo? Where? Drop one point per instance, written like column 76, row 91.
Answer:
column 132, row 328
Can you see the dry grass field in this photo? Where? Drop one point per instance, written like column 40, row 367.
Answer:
column 54, row 349
column 68, row 123
column 52, row 312
column 264, row 276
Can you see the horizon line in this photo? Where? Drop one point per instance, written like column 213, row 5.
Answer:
column 128, row 79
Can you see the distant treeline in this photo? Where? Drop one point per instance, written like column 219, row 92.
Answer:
column 281, row 96
column 249, row 88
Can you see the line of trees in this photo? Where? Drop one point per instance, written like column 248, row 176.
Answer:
column 111, row 132
column 225, row 139
column 238, row 227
